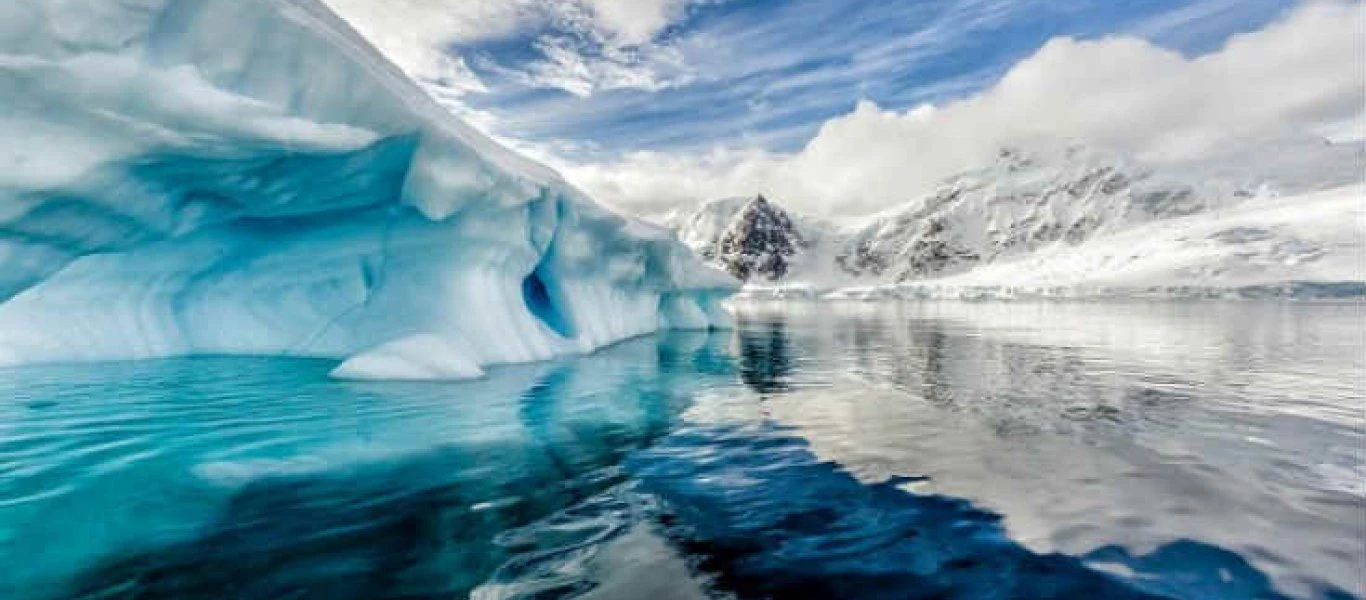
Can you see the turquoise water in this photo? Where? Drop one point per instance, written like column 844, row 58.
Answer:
column 941, row 450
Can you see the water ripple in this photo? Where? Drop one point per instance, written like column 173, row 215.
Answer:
column 1203, row 451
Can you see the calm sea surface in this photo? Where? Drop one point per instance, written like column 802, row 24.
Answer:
column 916, row 450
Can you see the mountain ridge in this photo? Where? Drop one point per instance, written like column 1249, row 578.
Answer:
column 1022, row 205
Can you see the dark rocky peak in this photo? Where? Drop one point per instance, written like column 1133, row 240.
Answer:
column 759, row 242
column 762, row 210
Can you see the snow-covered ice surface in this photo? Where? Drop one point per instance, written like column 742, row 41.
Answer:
column 251, row 177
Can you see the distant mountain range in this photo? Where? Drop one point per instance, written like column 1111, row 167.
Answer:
column 1058, row 212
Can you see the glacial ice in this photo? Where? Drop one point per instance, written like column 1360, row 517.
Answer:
column 419, row 357
column 251, row 177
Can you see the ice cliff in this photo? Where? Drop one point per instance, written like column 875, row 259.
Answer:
column 186, row 177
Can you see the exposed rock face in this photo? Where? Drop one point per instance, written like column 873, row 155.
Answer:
column 759, row 243
column 701, row 228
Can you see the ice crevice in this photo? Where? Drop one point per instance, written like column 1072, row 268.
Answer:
column 251, row 177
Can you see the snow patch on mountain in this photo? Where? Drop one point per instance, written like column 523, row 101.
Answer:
column 1310, row 237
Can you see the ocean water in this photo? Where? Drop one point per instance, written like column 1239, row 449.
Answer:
column 912, row 450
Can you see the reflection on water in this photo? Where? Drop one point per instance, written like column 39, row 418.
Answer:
column 252, row 478
column 859, row 451
column 773, row 520
column 765, row 356
column 1094, row 425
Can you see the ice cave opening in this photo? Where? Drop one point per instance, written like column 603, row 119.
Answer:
column 540, row 295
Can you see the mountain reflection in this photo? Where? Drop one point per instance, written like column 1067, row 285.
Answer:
column 766, row 361
column 848, row 452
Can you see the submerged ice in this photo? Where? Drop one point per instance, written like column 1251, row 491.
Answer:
column 251, row 177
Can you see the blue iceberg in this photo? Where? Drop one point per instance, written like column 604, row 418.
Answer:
column 251, row 177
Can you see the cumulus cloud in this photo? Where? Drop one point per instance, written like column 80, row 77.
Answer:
column 1299, row 75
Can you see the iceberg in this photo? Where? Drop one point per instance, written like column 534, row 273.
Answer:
column 188, row 177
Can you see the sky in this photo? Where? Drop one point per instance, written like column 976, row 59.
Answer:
column 851, row 106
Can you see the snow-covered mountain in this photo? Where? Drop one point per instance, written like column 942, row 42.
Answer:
column 1029, row 205
column 752, row 239
column 252, row 177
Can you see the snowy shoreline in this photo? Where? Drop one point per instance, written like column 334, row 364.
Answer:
column 1297, row 291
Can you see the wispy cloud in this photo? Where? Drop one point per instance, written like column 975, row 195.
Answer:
column 1195, row 28
column 582, row 46
column 585, row 67
column 1294, row 77
column 651, row 102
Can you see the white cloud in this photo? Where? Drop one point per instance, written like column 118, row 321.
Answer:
column 415, row 34
column 583, row 67
column 1298, row 75
column 636, row 22
column 653, row 182
column 434, row 23
column 599, row 45
column 609, row 44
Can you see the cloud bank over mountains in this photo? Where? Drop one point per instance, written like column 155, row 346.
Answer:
column 1302, row 74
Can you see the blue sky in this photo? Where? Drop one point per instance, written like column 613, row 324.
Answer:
column 856, row 105
column 770, row 72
